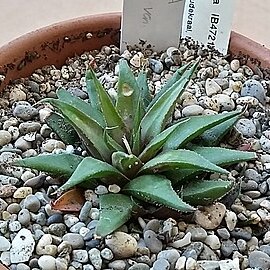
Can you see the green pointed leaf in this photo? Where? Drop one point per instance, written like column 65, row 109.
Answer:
column 112, row 118
column 223, row 156
column 116, row 210
column 144, row 89
column 128, row 94
column 90, row 169
column 217, row 155
column 178, row 159
column 175, row 78
column 193, row 128
column 128, row 164
column 62, row 128
column 81, row 105
column 213, row 136
column 159, row 113
column 88, row 129
column 111, row 143
column 205, row 191
column 55, row 164
column 91, row 90
column 157, row 143
column 156, row 189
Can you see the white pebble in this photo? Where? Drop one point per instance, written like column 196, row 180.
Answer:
column 230, row 219
column 47, row 262
column 5, row 137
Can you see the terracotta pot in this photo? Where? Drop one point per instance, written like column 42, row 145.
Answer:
column 53, row 44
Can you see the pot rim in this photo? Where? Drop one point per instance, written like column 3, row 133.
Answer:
column 36, row 49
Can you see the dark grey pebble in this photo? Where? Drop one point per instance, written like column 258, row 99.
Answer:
column 152, row 242
column 35, row 182
column 193, row 250
column 227, row 248
column 259, row 260
column 25, row 112
column 255, row 89
column 92, row 243
column 84, row 213
column 249, row 185
column 74, row 239
column 223, row 233
column 32, row 203
column 89, row 235
column 24, row 217
column 240, row 233
column 92, row 224
column 58, row 229
column 55, row 218
column 34, row 263
column 208, row 254
column 153, row 225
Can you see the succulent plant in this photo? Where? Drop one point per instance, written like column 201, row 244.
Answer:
column 133, row 142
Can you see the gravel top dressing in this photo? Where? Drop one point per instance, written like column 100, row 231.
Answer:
column 229, row 234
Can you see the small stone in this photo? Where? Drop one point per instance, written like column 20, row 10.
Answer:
column 137, row 60
column 114, row 188
column 208, row 265
column 265, row 143
column 241, row 233
column 47, row 262
column 95, row 258
column 74, row 239
column 5, row 258
column 227, row 248
column 7, row 191
column 255, row 89
column 51, row 144
column 5, row 137
column 22, row 192
column 153, row 225
column 230, row 219
column 80, row 255
column 22, row 246
column 152, row 242
column 212, row 241
column 212, row 87
column 246, row 127
column 197, row 232
column 22, row 266
column 242, row 245
column 3, row 205
column 121, row 244
column 223, row 233
column 156, row 65
column 117, row 265
column 45, row 246
column 58, row 229
column 193, row 250
column 192, row 110
column 70, row 220
column 55, row 218
column 229, row 264
column 259, row 260
column 180, row 264
column 106, row 254
column 210, row 217
column 14, row 226
column 4, row 244
column 224, row 102
column 100, row 190
column 161, row 264
column 235, row 65
column 186, row 240
column 22, row 144
column 191, row 264
column 171, row 255
column 24, row 111
column 32, row 203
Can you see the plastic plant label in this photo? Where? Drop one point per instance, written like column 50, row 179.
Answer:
column 209, row 22
column 154, row 22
